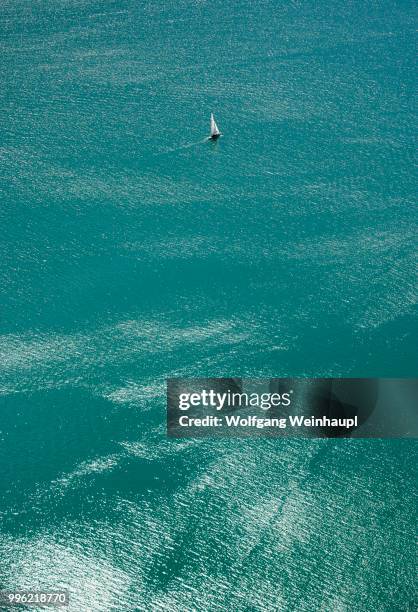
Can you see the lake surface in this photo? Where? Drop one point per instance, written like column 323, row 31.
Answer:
column 133, row 249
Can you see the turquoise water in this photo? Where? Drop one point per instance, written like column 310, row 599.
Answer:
column 132, row 249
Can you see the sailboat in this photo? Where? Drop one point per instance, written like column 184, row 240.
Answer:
column 214, row 130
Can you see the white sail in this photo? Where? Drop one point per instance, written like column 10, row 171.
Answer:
column 214, row 130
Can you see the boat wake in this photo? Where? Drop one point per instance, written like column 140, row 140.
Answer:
column 186, row 146
column 214, row 135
